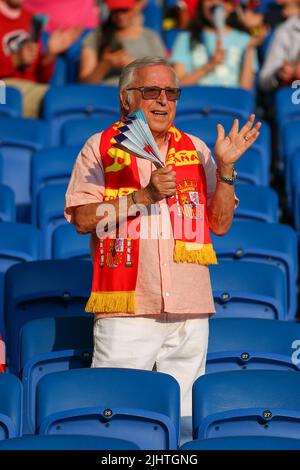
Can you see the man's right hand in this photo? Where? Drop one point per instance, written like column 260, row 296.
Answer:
column 26, row 55
column 162, row 184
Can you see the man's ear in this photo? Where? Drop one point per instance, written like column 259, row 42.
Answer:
column 124, row 100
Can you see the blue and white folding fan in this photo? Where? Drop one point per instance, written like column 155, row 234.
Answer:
column 135, row 137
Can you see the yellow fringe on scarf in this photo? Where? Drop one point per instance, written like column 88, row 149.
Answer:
column 194, row 253
column 118, row 301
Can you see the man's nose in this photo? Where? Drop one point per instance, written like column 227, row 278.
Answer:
column 162, row 99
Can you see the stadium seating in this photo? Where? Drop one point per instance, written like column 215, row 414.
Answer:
column 50, row 345
column 50, row 214
column 18, row 243
column 249, row 290
column 13, row 102
column 206, row 130
column 78, row 131
column 274, row 244
column 144, row 406
column 291, row 151
column 10, row 406
column 50, row 166
column 215, row 101
column 67, row 243
column 285, row 112
column 252, row 343
column 76, row 443
column 7, row 204
column 258, row 203
column 61, row 104
column 247, row 403
column 243, row 443
column 19, row 139
column 43, row 289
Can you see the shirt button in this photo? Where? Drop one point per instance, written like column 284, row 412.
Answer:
column 167, row 294
column 165, row 265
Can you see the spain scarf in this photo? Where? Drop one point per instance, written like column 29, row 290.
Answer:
column 116, row 259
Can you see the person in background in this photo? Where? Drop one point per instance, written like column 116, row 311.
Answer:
column 203, row 56
column 66, row 13
column 119, row 41
column 282, row 63
column 23, row 63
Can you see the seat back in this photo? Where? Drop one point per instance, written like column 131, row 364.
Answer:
column 274, row 244
column 10, row 101
column 19, row 139
column 249, row 290
column 18, row 243
column 141, row 405
column 62, row 104
column 43, row 289
column 10, row 406
column 252, row 343
column 7, row 204
column 50, row 166
column 257, row 203
column 78, row 131
column 50, row 345
column 67, row 243
column 247, row 403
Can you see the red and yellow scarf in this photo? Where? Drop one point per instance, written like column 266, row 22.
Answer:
column 116, row 260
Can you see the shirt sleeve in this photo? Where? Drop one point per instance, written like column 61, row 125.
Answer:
column 93, row 40
column 87, row 181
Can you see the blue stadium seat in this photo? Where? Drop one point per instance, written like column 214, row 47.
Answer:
column 50, row 214
column 296, row 190
column 249, row 290
column 243, row 443
column 206, row 130
column 142, row 405
column 62, row 104
column 247, row 403
column 258, row 203
column 274, row 244
column 50, row 345
column 77, row 132
column 13, row 104
column 10, row 406
column 215, row 101
column 7, row 204
column 286, row 111
column 19, row 139
column 251, row 343
column 76, row 443
column 50, row 166
column 43, row 289
column 291, row 152
column 18, row 243
column 72, row 57
column 67, row 243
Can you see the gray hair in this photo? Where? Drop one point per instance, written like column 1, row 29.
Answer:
column 127, row 74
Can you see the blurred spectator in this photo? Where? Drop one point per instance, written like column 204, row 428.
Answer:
column 282, row 63
column 23, row 64
column 281, row 10
column 120, row 40
column 66, row 13
column 204, row 55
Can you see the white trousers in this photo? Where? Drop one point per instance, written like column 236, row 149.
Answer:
column 177, row 348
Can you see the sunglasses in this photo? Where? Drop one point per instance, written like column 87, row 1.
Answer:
column 154, row 92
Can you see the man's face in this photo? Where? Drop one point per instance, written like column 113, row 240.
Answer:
column 160, row 113
column 14, row 3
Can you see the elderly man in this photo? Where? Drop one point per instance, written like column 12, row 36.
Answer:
column 155, row 310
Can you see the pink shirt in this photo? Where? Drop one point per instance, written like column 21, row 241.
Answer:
column 65, row 13
column 162, row 285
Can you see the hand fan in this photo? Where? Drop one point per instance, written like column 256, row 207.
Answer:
column 135, row 136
